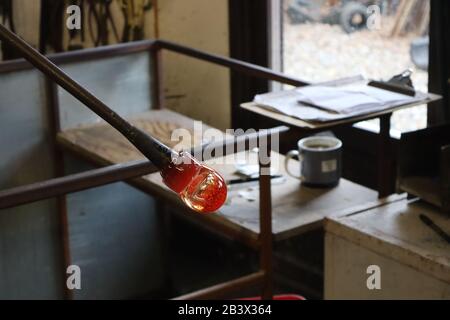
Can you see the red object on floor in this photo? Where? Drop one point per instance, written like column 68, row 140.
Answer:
column 279, row 297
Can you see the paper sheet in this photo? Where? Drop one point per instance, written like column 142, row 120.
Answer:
column 333, row 103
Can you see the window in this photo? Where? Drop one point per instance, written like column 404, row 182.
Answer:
column 329, row 39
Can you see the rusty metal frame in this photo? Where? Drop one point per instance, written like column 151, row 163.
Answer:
column 62, row 185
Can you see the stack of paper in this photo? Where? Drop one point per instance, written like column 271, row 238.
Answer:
column 326, row 103
column 350, row 99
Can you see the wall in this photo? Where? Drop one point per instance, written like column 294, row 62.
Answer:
column 29, row 244
column 195, row 88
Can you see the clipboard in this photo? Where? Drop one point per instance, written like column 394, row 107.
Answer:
column 400, row 83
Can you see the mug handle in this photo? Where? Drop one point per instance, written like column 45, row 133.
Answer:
column 290, row 155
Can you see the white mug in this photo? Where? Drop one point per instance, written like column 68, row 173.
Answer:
column 320, row 161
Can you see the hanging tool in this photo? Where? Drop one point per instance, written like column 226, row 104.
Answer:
column 6, row 11
column 51, row 30
column 100, row 19
column 134, row 16
column 53, row 26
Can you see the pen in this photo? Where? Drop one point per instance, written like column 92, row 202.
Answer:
column 435, row 227
column 236, row 181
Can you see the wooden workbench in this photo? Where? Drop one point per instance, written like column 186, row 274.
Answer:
column 414, row 261
column 296, row 208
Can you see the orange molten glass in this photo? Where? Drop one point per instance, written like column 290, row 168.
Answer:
column 200, row 187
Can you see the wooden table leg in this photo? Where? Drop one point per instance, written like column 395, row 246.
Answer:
column 265, row 216
column 384, row 171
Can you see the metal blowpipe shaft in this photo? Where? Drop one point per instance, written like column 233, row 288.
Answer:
column 158, row 153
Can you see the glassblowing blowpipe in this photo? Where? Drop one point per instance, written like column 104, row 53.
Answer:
column 200, row 187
